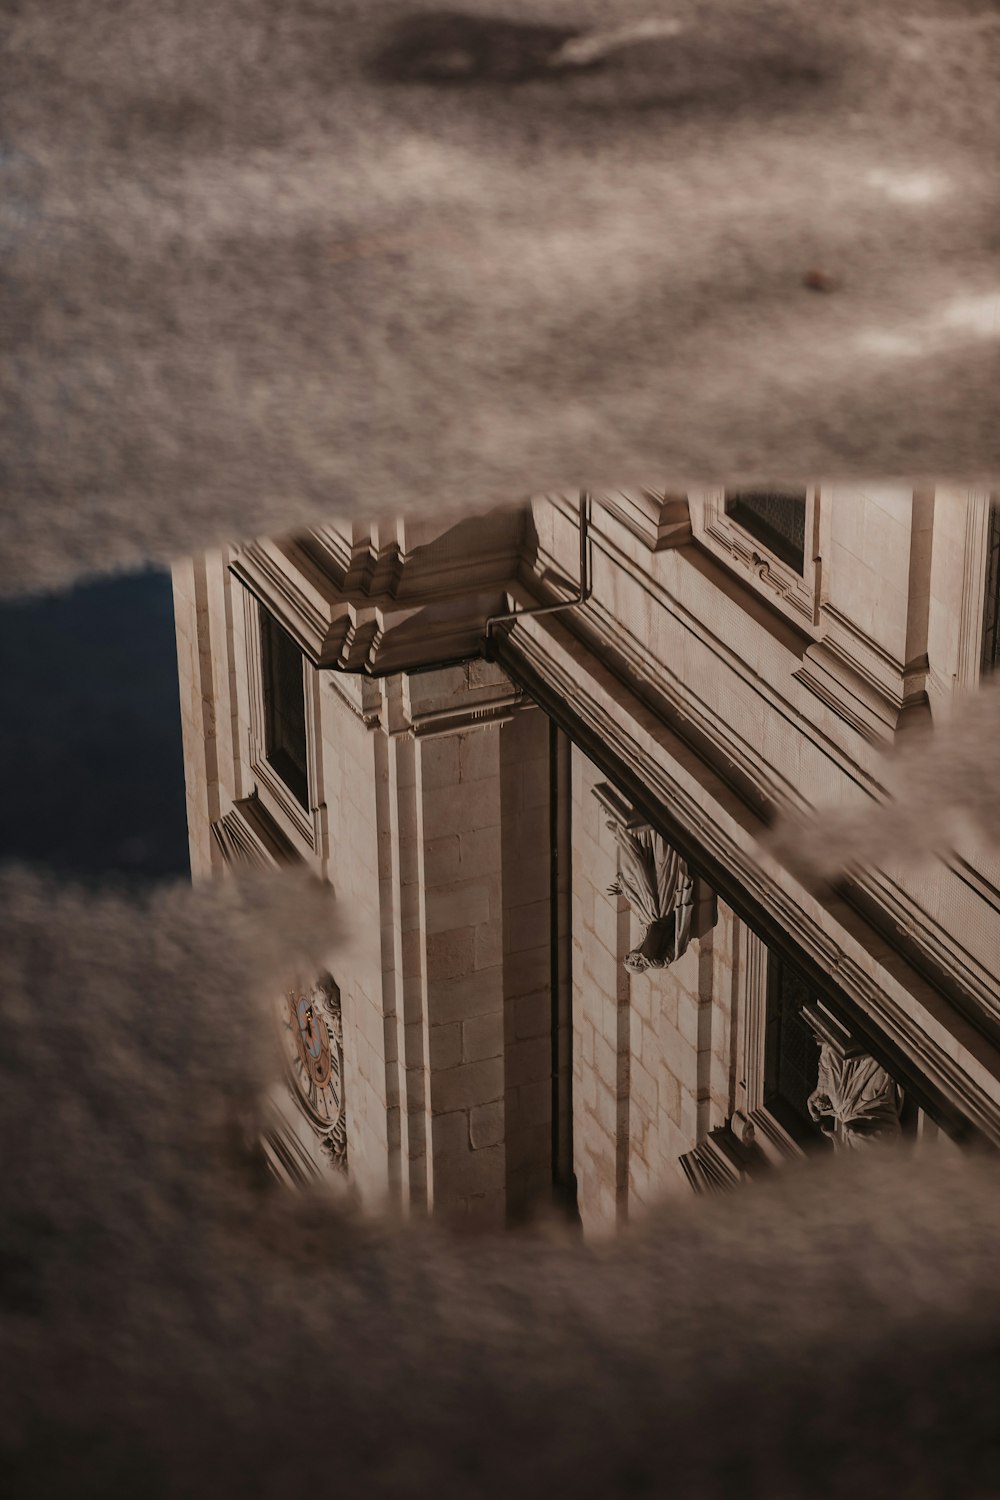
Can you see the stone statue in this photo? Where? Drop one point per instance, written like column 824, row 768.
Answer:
column 855, row 1102
column 657, row 886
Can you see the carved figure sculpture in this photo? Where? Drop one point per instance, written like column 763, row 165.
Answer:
column 657, row 886
column 855, row 1102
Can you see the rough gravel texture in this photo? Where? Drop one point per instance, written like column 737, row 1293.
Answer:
column 171, row 1328
column 256, row 268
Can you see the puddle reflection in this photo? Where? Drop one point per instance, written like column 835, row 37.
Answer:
column 90, row 739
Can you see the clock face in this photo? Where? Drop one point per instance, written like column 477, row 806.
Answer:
column 312, row 1038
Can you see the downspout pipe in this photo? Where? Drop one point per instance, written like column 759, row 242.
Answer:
column 586, row 585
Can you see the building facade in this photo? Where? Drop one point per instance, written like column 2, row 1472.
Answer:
column 537, row 754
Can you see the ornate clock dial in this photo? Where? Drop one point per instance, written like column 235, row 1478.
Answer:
column 312, row 1039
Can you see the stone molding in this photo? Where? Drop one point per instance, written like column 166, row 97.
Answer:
column 907, row 1021
column 249, row 837
column 658, row 520
column 743, row 768
column 374, row 607
column 720, row 1162
column 484, row 715
column 752, row 1122
column 796, row 596
column 932, row 947
column 970, row 647
column 858, row 679
column 302, row 824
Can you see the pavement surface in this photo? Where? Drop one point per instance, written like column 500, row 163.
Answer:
column 265, row 263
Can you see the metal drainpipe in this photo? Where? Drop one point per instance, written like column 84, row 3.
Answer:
column 586, row 584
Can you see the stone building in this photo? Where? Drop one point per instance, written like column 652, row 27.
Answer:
column 537, row 754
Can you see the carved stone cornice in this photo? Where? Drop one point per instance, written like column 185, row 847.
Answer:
column 931, row 945
column 696, row 812
column 373, row 606
column 709, row 730
column 967, row 979
column 858, row 679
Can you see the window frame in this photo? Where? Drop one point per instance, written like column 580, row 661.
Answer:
column 754, row 1120
column 795, row 595
column 776, row 543
column 796, row 1125
column 275, row 639
column 300, row 822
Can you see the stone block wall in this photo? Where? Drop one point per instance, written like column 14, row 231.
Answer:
column 600, row 988
column 528, row 1061
column 460, row 810
column 349, row 826
column 652, row 1052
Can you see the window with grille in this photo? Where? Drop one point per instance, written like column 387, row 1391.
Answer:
column 991, row 608
column 791, row 1051
column 284, row 707
column 776, row 520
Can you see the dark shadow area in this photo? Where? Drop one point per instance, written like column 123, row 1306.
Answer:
column 775, row 65
column 452, row 47
column 90, row 735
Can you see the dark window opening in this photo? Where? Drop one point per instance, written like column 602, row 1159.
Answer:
column 791, row 1054
column 991, row 612
column 284, row 707
column 778, row 521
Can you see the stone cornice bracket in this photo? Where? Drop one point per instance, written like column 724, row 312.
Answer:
column 477, row 716
column 353, row 638
column 372, row 606
column 614, row 803
column 482, row 706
